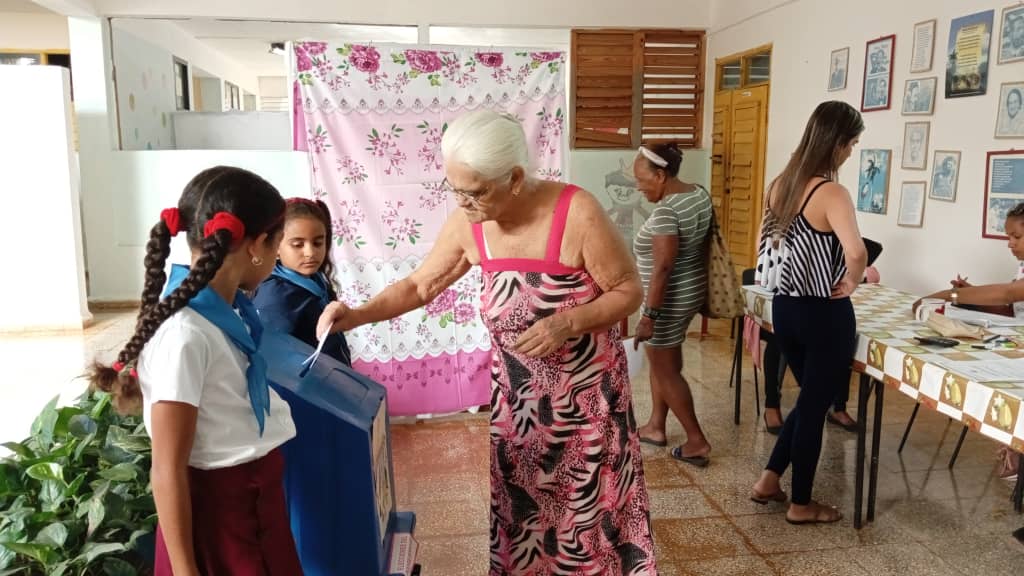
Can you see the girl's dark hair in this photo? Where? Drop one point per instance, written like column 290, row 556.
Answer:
column 1016, row 212
column 671, row 153
column 317, row 210
column 221, row 189
column 832, row 126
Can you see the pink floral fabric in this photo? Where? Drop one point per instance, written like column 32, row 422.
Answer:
column 371, row 119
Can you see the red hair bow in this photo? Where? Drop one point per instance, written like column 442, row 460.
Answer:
column 172, row 219
column 225, row 221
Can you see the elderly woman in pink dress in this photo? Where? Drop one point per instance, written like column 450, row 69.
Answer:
column 567, row 482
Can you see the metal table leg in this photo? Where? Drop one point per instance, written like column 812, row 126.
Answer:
column 1018, row 488
column 876, row 439
column 906, row 433
column 738, row 358
column 863, row 391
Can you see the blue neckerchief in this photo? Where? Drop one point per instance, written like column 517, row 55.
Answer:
column 211, row 306
column 316, row 285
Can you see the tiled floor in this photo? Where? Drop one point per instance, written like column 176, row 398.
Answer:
column 930, row 520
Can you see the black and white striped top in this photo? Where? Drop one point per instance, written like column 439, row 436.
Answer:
column 802, row 261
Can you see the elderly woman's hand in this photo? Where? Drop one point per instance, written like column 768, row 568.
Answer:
column 544, row 337
column 644, row 332
column 336, row 317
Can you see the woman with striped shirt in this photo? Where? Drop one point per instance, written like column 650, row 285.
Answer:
column 812, row 257
column 671, row 253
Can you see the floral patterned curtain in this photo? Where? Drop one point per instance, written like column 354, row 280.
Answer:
column 371, row 118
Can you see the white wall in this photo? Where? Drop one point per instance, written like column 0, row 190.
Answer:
column 803, row 33
column 33, row 31
column 567, row 13
column 39, row 214
column 233, row 130
column 145, row 93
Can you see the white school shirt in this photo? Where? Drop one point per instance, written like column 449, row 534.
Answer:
column 190, row 360
column 1018, row 307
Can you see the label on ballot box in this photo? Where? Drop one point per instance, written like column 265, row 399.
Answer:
column 403, row 555
column 382, row 469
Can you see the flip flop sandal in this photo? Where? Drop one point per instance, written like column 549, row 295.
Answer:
column 852, row 427
column 698, row 461
column 818, row 518
column 653, row 442
column 779, row 496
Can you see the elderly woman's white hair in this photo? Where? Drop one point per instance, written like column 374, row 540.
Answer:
column 490, row 143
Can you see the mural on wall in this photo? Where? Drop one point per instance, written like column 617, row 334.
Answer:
column 145, row 93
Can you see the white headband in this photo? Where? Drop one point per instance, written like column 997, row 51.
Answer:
column 657, row 160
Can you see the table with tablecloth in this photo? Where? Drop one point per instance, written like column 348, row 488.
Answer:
column 935, row 377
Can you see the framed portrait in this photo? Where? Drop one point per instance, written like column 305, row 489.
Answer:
column 919, row 96
column 878, row 59
column 838, row 69
column 1011, row 34
column 911, row 204
column 1010, row 116
column 924, row 47
column 873, row 181
column 1004, row 189
column 967, row 55
column 915, row 145
column 945, row 175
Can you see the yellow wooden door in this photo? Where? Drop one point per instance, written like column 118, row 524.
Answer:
column 747, row 130
column 719, row 158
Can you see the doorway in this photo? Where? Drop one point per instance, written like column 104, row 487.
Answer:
column 739, row 137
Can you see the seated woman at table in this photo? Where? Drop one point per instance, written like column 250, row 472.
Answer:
column 1004, row 299
column 812, row 257
column 775, row 369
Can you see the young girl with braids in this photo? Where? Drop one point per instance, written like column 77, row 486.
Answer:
column 194, row 366
column 301, row 286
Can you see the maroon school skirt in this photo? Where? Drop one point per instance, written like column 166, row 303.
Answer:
column 239, row 522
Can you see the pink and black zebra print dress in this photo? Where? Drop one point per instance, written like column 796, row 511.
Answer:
column 567, row 482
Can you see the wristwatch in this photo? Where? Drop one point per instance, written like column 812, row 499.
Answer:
column 652, row 313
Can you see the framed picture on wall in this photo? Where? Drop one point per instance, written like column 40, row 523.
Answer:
column 915, row 145
column 1004, row 189
column 873, row 181
column 967, row 55
column 919, row 96
column 1011, row 34
column 945, row 175
column 839, row 66
column 878, row 58
column 924, row 47
column 1010, row 118
column 911, row 204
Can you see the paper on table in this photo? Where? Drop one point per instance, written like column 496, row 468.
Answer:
column 308, row 362
column 1009, row 370
column 982, row 319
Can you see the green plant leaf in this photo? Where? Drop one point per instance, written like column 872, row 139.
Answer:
column 51, row 494
column 20, row 449
column 54, row 535
column 45, row 423
column 97, row 511
column 38, row 552
column 118, row 567
column 92, row 550
column 82, row 426
column 64, row 416
column 6, row 557
column 101, row 407
column 86, row 443
column 123, row 472
column 46, row 471
column 59, row 569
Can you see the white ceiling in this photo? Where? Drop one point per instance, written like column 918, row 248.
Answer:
column 22, row 6
column 248, row 42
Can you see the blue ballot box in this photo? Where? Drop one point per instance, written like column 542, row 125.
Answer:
column 338, row 476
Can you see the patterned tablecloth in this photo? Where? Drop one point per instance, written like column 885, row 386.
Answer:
column 887, row 351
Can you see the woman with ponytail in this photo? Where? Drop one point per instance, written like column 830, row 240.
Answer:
column 194, row 367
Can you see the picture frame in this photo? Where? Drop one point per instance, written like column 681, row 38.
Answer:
column 1011, row 34
column 1004, row 189
column 912, row 195
column 873, row 180
column 924, row 47
column 915, row 146
column 945, row 175
column 838, row 69
column 1010, row 111
column 967, row 54
column 919, row 96
column 876, row 93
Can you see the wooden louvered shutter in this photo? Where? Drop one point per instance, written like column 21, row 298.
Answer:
column 603, row 85
column 673, row 83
